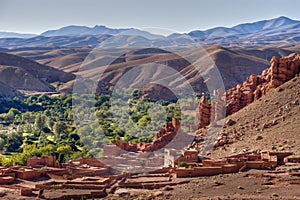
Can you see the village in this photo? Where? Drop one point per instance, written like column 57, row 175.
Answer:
column 45, row 178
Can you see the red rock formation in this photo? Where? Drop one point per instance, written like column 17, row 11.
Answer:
column 210, row 112
column 163, row 137
column 242, row 95
column 255, row 86
column 217, row 108
column 204, row 112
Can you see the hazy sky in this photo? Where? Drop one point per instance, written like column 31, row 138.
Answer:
column 36, row 16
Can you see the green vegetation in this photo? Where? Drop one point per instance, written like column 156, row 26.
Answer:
column 183, row 164
column 45, row 125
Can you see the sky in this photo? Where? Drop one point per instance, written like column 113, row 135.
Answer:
column 37, row 16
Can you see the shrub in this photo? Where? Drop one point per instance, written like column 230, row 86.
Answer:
column 182, row 164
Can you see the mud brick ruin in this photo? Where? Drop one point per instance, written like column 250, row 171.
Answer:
column 91, row 178
column 232, row 164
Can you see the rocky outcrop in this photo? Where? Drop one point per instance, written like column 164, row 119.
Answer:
column 163, row 137
column 280, row 71
column 204, row 112
column 211, row 111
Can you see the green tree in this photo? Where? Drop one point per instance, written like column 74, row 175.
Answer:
column 60, row 129
column 2, row 143
column 14, row 142
column 144, row 121
column 40, row 122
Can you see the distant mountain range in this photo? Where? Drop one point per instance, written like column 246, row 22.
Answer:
column 281, row 30
column 98, row 30
column 243, row 29
column 16, row 35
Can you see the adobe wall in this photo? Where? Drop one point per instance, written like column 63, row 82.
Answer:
column 230, row 168
column 188, row 157
column 198, row 171
column 111, row 150
column 255, row 164
column 207, row 171
column 49, row 161
column 253, row 88
column 204, row 112
column 6, row 180
column 280, row 155
column 27, row 174
column 91, row 162
column 214, row 163
column 292, row 159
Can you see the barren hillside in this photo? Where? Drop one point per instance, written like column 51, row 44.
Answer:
column 270, row 123
column 20, row 74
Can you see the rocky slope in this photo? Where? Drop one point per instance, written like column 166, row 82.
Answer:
column 7, row 92
column 270, row 123
column 255, row 86
column 264, row 112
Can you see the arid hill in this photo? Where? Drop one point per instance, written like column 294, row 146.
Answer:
column 66, row 59
column 234, row 64
column 7, row 92
column 40, row 71
column 20, row 79
column 21, row 74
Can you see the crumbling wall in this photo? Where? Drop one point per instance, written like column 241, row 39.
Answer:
column 94, row 162
column 27, row 174
column 49, row 161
